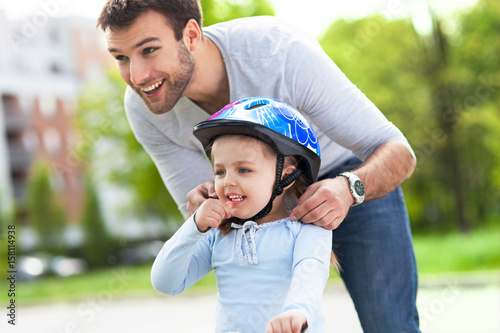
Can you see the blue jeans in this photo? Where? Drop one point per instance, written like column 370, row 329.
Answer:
column 375, row 250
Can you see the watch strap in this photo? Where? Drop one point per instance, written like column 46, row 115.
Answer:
column 356, row 187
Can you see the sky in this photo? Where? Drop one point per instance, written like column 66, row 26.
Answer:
column 313, row 17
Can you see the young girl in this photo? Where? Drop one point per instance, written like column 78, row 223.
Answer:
column 270, row 271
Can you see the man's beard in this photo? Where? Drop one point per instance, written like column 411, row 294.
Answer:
column 174, row 84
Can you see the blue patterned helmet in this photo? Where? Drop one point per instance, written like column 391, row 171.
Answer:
column 281, row 126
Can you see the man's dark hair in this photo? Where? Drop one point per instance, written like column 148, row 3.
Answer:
column 118, row 14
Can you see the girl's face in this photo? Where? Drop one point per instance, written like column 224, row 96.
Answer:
column 245, row 175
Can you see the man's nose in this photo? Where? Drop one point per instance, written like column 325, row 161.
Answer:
column 139, row 72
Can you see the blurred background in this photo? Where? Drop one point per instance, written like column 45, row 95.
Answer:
column 89, row 205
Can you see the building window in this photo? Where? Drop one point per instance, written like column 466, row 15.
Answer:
column 52, row 141
column 30, row 140
column 26, row 104
column 48, row 106
column 55, row 69
column 10, row 104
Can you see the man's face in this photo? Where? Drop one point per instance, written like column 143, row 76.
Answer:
column 151, row 61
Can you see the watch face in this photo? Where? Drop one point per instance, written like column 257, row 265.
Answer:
column 359, row 188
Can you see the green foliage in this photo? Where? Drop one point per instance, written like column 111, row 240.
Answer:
column 101, row 118
column 476, row 91
column 458, row 252
column 44, row 212
column 3, row 239
column 98, row 245
column 79, row 287
column 442, row 91
column 215, row 11
column 453, row 253
column 5, row 215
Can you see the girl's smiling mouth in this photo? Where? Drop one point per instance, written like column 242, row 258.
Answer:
column 236, row 198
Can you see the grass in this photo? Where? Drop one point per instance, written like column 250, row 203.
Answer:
column 458, row 252
column 453, row 252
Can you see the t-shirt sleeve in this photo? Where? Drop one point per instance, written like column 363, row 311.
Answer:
column 333, row 103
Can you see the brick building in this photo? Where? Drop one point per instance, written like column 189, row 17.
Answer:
column 42, row 69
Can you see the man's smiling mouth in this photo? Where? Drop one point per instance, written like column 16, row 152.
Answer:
column 153, row 88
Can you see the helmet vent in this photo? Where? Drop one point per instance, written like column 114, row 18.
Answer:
column 257, row 104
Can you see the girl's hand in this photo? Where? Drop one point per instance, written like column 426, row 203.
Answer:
column 289, row 322
column 211, row 213
column 198, row 195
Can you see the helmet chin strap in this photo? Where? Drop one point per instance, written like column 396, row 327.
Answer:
column 279, row 187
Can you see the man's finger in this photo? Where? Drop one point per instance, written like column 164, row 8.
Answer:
column 305, row 207
column 317, row 214
column 310, row 191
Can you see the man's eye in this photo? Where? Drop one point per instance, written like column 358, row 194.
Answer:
column 121, row 58
column 149, row 50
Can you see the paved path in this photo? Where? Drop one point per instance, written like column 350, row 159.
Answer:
column 446, row 305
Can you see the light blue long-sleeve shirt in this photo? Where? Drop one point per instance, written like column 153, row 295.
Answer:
column 262, row 271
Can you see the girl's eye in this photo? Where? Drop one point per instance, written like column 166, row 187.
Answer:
column 219, row 172
column 244, row 170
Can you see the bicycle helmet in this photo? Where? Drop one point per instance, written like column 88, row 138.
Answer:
column 274, row 122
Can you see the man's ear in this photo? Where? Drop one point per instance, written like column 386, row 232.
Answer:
column 192, row 35
column 286, row 172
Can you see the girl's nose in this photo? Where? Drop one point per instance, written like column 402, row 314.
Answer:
column 229, row 180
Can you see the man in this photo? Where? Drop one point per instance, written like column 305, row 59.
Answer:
column 179, row 74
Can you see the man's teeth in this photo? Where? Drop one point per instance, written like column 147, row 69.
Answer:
column 152, row 87
column 235, row 198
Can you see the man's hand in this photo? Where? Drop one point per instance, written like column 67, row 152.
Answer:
column 211, row 213
column 199, row 195
column 324, row 203
column 289, row 322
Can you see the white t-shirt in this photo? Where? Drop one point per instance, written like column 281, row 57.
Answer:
column 265, row 57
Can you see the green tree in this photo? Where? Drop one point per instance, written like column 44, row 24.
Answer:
column 215, row 11
column 5, row 215
column 101, row 118
column 98, row 244
column 442, row 91
column 44, row 212
column 459, row 79
column 384, row 59
column 473, row 75
column 4, row 223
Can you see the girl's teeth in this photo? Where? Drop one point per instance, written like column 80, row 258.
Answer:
column 235, row 198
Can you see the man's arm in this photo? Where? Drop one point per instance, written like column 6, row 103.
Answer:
column 387, row 168
column 327, row 202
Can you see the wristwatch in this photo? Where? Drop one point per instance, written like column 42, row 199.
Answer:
column 356, row 186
